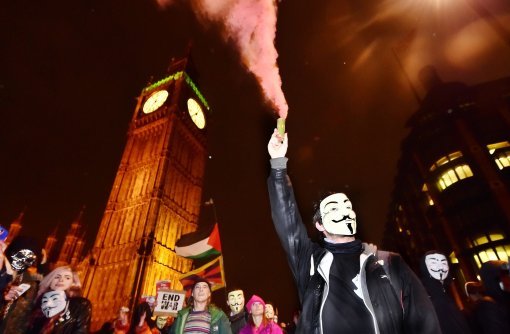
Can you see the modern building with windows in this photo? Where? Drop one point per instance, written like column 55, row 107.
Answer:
column 452, row 188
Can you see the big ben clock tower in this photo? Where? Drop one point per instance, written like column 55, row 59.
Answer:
column 155, row 197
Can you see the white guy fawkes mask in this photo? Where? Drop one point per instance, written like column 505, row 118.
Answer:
column 161, row 322
column 437, row 265
column 235, row 300
column 269, row 312
column 337, row 215
column 53, row 302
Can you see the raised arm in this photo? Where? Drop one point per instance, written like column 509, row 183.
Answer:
column 286, row 217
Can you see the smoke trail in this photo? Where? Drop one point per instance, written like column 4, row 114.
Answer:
column 251, row 24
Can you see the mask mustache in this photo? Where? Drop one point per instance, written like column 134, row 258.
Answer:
column 47, row 311
column 346, row 217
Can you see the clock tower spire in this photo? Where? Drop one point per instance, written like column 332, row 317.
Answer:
column 155, row 197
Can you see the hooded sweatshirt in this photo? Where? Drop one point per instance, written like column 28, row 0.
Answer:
column 451, row 319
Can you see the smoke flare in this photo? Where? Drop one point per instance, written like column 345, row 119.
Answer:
column 251, row 24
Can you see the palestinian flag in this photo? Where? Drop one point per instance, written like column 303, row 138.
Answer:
column 199, row 244
column 211, row 272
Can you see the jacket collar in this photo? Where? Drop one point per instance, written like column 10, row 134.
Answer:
column 326, row 259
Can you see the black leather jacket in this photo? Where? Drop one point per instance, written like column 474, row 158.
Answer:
column 238, row 321
column 74, row 320
column 411, row 313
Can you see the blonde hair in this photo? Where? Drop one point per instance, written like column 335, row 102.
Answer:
column 44, row 286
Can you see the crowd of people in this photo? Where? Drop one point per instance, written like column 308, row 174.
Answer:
column 33, row 303
column 201, row 316
column 344, row 285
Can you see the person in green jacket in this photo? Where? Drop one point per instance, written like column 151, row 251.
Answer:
column 201, row 316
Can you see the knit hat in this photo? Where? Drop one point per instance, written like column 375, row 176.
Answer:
column 252, row 300
column 200, row 280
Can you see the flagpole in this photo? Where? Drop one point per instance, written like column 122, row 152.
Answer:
column 214, row 211
column 211, row 202
column 225, row 291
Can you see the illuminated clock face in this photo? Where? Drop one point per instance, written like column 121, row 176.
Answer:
column 155, row 101
column 196, row 113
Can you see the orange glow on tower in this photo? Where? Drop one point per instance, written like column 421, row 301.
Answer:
column 155, row 198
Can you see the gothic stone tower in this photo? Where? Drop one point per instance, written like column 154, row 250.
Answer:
column 155, row 197
column 72, row 247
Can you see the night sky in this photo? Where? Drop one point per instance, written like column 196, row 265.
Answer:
column 70, row 72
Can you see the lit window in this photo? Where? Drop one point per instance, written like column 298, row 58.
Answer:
column 501, row 253
column 463, row 171
column 503, row 160
column 425, row 190
column 481, row 241
column 453, row 258
column 484, row 239
column 483, row 257
column 478, row 263
column 493, row 147
column 453, row 175
column 444, row 160
column 501, row 152
column 492, row 255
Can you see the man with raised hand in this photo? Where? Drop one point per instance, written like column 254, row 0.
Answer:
column 344, row 286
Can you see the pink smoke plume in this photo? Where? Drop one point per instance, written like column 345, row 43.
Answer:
column 251, row 24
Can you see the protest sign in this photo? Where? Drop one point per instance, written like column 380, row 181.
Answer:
column 169, row 302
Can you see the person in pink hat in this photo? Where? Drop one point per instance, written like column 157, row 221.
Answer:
column 257, row 322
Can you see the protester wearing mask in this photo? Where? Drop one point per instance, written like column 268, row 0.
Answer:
column 164, row 324
column 18, row 299
column 60, row 291
column 436, row 279
column 237, row 317
column 62, row 314
column 269, row 312
column 344, row 285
